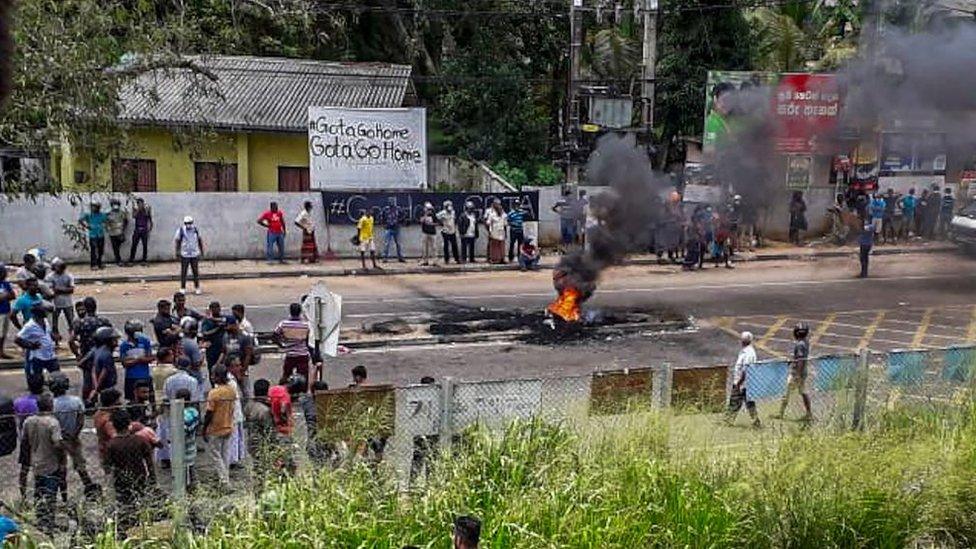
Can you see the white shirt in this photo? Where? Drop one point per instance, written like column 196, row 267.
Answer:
column 747, row 357
column 496, row 224
column 34, row 333
column 304, row 220
column 448, row 223
column 190, row 242
column 245, row 326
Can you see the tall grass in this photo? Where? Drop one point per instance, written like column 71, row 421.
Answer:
column 910, row 482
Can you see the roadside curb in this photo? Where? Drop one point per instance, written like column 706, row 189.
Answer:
column 477, row 268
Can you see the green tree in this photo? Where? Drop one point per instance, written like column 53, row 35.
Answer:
column 694, row 37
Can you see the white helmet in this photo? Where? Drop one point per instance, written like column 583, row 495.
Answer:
column 746, row 337
column 187, row 220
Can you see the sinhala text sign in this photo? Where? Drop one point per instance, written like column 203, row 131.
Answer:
column 367, row 148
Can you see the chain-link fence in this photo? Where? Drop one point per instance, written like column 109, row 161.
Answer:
column 405, row 427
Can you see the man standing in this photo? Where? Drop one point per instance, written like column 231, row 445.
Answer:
column 238, row 347
column 180, row 381
column 62, row 284
column 259, row 426
column 274, row 221
column 190, row 349
column 516, row 229
column 189, row 250
column 130, row 459
column 84, row 344
column 292, row 336
column 798, row 217
column 35, row 338
column 908, row 206
column 105, row 374
column 391, row 222
column 468, row 227
column 94, row 223
column 70, row 413
column 448, row 220
column 181, row 310
column 6, row 296
column 935, row 207
column 878, row 206
column 497, row 223
column 212, row 333
column 24, row 305
column 946, row 211
column 568, row 210
column 866, row 242
column 797, row 379
column 889, row 225
column 238, row 311
column 116, row 221
column 143, row 224
column 304, row 221
column 364, row 232
column 428, row 235
column 218, row 422
column 743, row 363
column 166, row 326
column 137, row 356
column 41, row 450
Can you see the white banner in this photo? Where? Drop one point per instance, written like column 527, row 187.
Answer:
column 367, row 149
column 323, row 310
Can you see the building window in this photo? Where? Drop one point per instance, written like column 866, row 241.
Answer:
column 23, row 173
column 133, row 175
column 291, row 180
column 216, row 177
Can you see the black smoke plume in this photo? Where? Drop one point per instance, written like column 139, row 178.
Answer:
column 626, row 213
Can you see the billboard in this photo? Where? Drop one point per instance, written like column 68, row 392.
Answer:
column 342, row 207
column 806, row 108
column 801, row 108
column 367, row 149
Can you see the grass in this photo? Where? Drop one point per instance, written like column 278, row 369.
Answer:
column 911, row 481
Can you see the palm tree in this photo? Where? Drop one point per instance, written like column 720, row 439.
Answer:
column 804, row 35
column 614, row 55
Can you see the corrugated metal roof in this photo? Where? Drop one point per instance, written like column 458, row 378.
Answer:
column 259, row 93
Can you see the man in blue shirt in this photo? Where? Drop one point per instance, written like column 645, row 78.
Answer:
column 908, row 204
column 35, row 338
column 136, row 356
column 24, row 305
column 866, row 240
column 878, row 206
column 516, row 232
column 94, row 223
column 104, row 362
column 6, row 296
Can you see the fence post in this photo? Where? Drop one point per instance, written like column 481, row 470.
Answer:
column 447, row 414
column 861, row 389
column 177, row 447
column 661, row 385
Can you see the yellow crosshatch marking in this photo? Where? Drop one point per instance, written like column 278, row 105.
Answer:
column 822, row 328
column 923, row 326
column 869, row 332
column 771, row 332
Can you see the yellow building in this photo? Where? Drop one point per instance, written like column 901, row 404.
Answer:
column 238, row 124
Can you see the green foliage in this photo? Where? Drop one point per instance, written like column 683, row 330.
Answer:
column 514, row 175
column 547, row 175
column 691, row 43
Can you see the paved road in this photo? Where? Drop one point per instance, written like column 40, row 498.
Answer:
column 916, row 300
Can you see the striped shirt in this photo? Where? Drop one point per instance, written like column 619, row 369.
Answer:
column 293, row 336
column 516, row 218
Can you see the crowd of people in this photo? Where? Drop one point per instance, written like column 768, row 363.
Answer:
column 459, row 231
column 130, row 379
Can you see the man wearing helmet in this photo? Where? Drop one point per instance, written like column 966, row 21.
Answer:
column 103, row 360
column 745, row 360
column 84, row 344
column 797, row 379
column 136, row 356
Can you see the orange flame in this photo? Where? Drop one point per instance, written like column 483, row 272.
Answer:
column 566, row 306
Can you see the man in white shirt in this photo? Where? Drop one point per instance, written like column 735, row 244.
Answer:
column 745, row 360
column 189, row 249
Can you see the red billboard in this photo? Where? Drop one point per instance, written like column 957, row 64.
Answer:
column 806, row 108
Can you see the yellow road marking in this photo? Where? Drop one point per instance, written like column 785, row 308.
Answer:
column 923, row 326
column 869, row 331
column 971, row 332
column 822, row 328
column 770, row 334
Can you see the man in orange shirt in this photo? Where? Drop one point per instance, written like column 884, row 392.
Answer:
column 218, row 423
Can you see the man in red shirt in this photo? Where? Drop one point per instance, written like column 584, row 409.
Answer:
column 274, row 220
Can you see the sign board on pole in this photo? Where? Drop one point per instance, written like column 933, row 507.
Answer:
column 367, row 148
column 323, row 309
column 702, row 194
column 798, row 169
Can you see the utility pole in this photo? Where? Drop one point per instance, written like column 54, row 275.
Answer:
column 649, row 61
column 573, row 118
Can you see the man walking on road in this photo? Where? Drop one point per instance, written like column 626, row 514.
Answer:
column 41, row 450
column 274, row 221
column 866, row 241
column 70, row 413
column 743, row 363
column 189, row 249
column 94, row 223
column 63, row 285
column 797, row 379
column 448, row 220
column 142, row 225
column 35, row 338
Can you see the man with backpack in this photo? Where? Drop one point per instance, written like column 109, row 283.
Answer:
column 189, row 249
